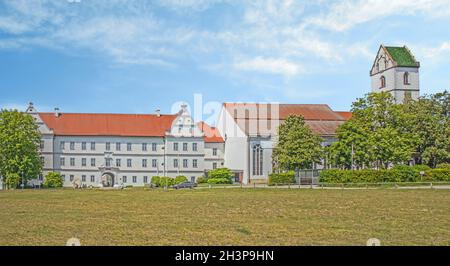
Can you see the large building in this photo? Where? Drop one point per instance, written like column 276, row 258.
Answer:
column 106, row 150
column 125, row 149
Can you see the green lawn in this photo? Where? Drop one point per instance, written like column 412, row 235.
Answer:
column 231, row 216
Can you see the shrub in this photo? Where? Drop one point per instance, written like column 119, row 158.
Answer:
column 166, row 181
column 282, row 178
column 155, row 181
column 421, row 167
column 180, row 179
column 53, row 180
column 219, row 181
column 220, row 173
column 438, row 175
column 400, row 173
column 443, row 166
column 202, row 180
column 12, row 180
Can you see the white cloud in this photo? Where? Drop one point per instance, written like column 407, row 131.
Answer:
column 270, row 65
column 349, row 13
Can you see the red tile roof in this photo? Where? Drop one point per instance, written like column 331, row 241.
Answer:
column 282, row 111
column 212, row 134
column 129, row 125
column 320, row 117
column 345, row 115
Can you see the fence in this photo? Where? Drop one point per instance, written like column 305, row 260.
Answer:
column 307, row 177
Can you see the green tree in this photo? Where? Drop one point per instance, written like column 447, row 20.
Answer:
column 19, row 145
column 53, row 180
column 428, row 119
column 377, row 135
column 297, row 146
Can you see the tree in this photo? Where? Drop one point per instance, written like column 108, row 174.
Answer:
column 377, row 134
column 297, row 146
column 429, row 119
column 53, row 180
column 19, row 145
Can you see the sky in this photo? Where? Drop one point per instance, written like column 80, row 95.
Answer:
column 117, row 56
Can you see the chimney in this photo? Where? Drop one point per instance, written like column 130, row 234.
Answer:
column 57, row 113
column 158, row 112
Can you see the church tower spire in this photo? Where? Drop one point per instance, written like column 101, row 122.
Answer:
column 396, row 70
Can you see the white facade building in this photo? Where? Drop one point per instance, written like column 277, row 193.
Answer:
column 102, row 150
column 395, row 70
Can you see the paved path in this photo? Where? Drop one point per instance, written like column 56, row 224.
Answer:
column 319, row 187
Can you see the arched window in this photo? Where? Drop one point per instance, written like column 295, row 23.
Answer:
column 406, row 78
column 383, row 82
column 257, row 160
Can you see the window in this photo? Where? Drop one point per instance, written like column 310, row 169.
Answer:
column 214, row 165
column 72, row 161
column 128, row 146
column 214, row 151
column 153, row 146
column 71, row 178
column 257, row 160
column 42, row 160
column 194, row 163
column 72, row 145
column 61, row 145
column 117, row 146
column 41, row 145
column 154, row 163
column 83, row 161
column 134, row 179
column 144, row 163
column 175, row 146
column 92, row 146
column 383, row 82
column 92, row 178
column 92, row 161
column 129, row 162
column 108, row 146
column 62, row 161
column 83, row 178
column 118, row 162
column 83, row 146
column 144, row 146
column 406, row 78
column 108, row 162
column 175, row 163
column 194, row 146
column 185, row 146
column 124, row 179
column 145, row 179
column 41, row 177
column 185, row 163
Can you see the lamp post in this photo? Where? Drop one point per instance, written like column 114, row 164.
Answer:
column 23, row 184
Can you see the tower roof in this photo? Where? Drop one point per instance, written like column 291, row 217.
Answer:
column 402, row 56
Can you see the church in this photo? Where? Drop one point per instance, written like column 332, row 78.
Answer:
column 116, row 150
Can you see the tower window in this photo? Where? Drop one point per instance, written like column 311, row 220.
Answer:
column 257, row 160
column 383, row 82
column 406, row 78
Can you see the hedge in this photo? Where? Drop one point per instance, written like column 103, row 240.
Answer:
column 396, row 174
column 219, row 181
column 282, row 178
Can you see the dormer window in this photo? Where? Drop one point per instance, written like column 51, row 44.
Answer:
column 383, row 82
column 406, row 78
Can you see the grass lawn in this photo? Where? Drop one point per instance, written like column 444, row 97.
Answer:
column 225, row 217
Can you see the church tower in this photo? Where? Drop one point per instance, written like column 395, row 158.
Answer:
column 396, row 70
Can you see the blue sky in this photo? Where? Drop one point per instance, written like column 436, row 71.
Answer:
column 135, row 56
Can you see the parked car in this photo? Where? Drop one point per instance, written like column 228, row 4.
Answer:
column 185, row 185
